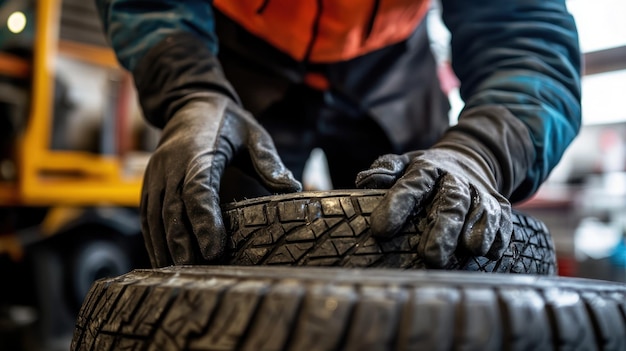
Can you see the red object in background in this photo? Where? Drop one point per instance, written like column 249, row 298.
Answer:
column 567, row 266
column 613, row 152
column 447, row 78
column 609, row 139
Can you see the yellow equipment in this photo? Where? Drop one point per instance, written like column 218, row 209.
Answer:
column 68, row 216
column 54, row 177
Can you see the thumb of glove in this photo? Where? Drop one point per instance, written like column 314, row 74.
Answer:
column 383, row 173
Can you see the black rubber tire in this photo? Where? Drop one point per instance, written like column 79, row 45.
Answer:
column 331, row 228
column 282, row 308
column 93, row 260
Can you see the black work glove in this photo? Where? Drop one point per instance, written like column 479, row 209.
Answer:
column 182, row 88
column 462, row 183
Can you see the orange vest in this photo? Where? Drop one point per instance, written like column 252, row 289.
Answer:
column 324, row 31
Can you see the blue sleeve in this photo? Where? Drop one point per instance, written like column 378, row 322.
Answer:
column 523, row 55
column 135, row 26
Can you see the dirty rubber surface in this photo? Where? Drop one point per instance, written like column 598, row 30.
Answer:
column 282, row 308
column 332, row 229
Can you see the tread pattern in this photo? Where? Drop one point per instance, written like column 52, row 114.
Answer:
column 332, row 229
column 279, row 308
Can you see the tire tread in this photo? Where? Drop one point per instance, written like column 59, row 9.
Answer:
column 273, row 308
column 332, row 229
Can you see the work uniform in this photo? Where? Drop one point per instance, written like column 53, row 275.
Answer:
column 331, row 66
column 358, row 79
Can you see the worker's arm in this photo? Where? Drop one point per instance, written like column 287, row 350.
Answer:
column 518, row 62
column 170, row 47
column 522, row 55
column 135, row 26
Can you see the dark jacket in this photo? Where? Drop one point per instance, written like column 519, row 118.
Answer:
column 520, row 54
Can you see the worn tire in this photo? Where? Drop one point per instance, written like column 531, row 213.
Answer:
column 282, row 308
column 331, row 228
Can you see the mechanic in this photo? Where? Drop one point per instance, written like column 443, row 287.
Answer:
column 357, row 79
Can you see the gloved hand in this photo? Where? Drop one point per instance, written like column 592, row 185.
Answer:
column 182, row 88
column 460, row 182
column 181, row 215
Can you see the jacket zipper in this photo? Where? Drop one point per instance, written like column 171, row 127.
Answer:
column 262, row 7
column 315, row 30
column 370, row 22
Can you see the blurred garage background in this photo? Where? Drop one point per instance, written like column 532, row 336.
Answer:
column 73, row 147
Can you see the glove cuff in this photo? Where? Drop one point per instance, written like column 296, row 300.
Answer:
column 176, row 70
column 502, row 141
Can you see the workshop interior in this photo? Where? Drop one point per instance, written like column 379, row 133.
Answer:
column 73, row 148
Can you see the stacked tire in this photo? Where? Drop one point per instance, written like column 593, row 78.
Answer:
column 362, row 294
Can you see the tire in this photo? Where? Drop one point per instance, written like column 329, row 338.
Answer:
column 331, row 228
column 93, row 260
column 282, row 308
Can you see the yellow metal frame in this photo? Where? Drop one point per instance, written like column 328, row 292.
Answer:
column 49, row 177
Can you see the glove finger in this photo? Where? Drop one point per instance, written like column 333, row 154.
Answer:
column 505, row 230
column 202, row 205
column 153, row 228
column 402, row 200
column 145, row 228
column 268, row 164
column 383, row 173
column 481, row 224
column 445, row 220
column 179, row 233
